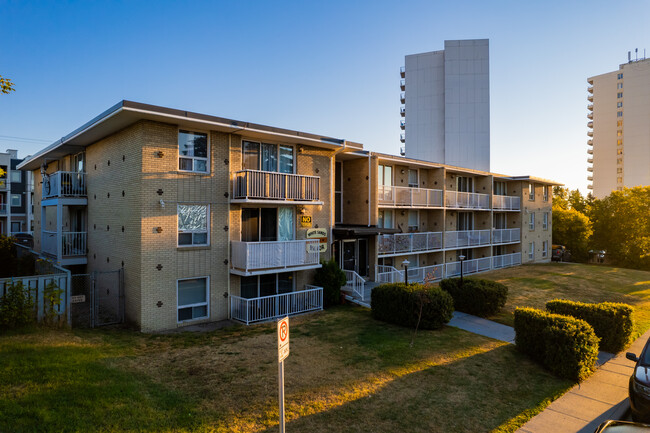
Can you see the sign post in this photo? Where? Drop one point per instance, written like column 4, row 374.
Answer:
column 283, row 352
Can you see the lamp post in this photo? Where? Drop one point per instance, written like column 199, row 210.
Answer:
column 461, row 258
column 406, row 263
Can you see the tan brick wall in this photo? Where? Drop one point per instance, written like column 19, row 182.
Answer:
column 355, row 191
column 538, row 235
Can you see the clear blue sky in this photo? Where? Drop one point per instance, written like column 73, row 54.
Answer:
column 328, row 67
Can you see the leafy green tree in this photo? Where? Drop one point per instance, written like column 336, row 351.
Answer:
column 621, row 223
column 6, row 85
column 578, row 202
column 330, row 277
column 573, row 230
column 560, row 197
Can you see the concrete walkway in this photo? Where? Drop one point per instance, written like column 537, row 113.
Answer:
column 603, row 396
column 484, row 327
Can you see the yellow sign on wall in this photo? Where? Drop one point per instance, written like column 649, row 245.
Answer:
column 305, row 220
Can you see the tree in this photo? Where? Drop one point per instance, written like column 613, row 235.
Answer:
column 573, row 230
column 621, row 224
column 6, row 85
column 330, row 277
column 578, row 202
column 560, row 197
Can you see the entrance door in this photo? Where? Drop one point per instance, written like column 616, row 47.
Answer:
column 349, row 261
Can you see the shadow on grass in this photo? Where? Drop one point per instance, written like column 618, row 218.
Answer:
column 64, row 388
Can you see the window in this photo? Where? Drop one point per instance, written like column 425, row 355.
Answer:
column 544, row 248
column 545, row 221
column 16, row 176
column 619, row 161
column 15, row 227
column 193, row 225
column 413, row 178
column 465, row 221
column 192, row 151
column 619, row 152
column 385, row 219
column 192, row 297
column 619, row 180
column 413, row 220
column 268, row 157
column 531, row 251
column 464, row 184
column 267, row 224
column 619, row 133
column 619, row 114
column 531, row 221
column 619, row 170
column 619, row 86
column 619, row 95
column 545, row 192
column 620, row 76
column 619, row 123
column 16, row 200
column 619, row 142
column 385, row 175
column 619, row 105
column 500, row 188
column 619, row 188
column 531, row 192
column 266, row 285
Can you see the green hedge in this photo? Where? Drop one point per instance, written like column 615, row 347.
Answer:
column 331, row 278
column 612, row 322
column 567, row 346
column 478, row 297
column 400, row 304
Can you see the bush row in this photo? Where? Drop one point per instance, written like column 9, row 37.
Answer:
column 401, row 304
column 612, row 322
column 481, row 298
column 567, row 346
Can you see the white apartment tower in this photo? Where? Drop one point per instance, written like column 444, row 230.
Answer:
column 619, row 128
column 446, row 111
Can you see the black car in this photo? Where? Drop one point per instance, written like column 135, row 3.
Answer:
column 640, row 385
column 622, row 427
column 24, row 239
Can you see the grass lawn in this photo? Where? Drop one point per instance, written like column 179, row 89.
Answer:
column 346, row 372
column 533, row 285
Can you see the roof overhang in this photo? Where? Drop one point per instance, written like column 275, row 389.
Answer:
column 126, row 113
column 354, row 231
column 532, row 179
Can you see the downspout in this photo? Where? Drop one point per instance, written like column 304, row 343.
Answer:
column 229, row 226
column 333, row 193
column 369, row 187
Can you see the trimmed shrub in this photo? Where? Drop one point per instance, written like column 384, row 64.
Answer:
column 16, row 306
column 481, row 298
column 400, row 304
column 566, row 346
column 612, row 322
column 330, row 277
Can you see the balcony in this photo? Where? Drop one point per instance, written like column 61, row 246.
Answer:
column 590, row 115
column 590, row 89
column 402, row 111
column 590, row 107
column 387, row 274
column 402, row 124
column 402, row 71
column 402, row 85
column 402, row 137
column 590, row 186
column 590, row 142
column 506, row 260
column 251, row 310
column 64, row 184
column 469, row 267
column 398, row 196
column 265, row 187
column 590, row 98
column 402, row 98
column 590, row 133
column 590, row 178
column 590, row 151
column 69, row 249
column 590, row 125
column 402, row 150
column 466, row 238
column 506, row 236
column 504, row 202
column 467, row 200
column 590, row 169
column 590, row 160
column 254, row 258
column 406, row 243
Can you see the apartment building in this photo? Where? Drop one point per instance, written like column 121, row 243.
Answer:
column 446, row 105
column 211, row 218
column 618, row 135
column 15, row 196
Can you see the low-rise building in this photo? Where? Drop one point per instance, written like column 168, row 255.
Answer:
column 16, row 189
column 208, row 218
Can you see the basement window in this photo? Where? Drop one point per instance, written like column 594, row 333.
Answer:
column 192, row 295
column 192, row 151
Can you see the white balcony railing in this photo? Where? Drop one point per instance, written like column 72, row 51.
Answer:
column 354, row 283
column 72, row 243
column 410, row 197
column 403, row 243
column 506, row 260
column 266, row 185
column 415, row 275
column 469, row 267
column 253, row 256
column 506, row 236
column 251, row 310
column 64, row 184
column 467, row 238
column 505, row 202
column 469, row 200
